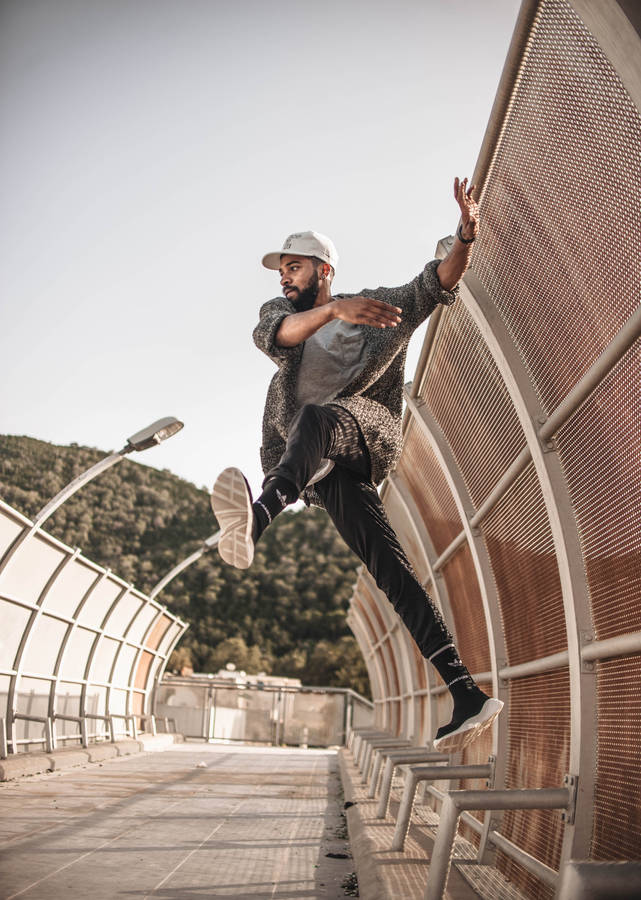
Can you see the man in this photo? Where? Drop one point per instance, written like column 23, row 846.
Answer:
column 332, row 431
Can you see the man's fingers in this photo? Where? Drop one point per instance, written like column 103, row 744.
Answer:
column 367, row 311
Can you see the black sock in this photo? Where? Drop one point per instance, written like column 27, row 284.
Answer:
column 277, row 494
column 464, row 690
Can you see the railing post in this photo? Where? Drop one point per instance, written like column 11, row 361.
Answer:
column 3, row 739
column 50, row 740
column 442, row 850
column 112, row 730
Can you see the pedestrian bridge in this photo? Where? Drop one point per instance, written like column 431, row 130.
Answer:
column 517, row 498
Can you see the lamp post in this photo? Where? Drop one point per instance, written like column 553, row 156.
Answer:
column 148, row 437
column 207, row 544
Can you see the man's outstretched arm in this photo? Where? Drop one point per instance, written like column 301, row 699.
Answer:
column 298, row 327
column 453, row 267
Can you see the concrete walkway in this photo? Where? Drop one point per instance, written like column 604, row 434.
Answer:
column 193, row 821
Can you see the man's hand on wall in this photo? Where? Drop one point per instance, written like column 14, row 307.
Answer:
column 469, row 209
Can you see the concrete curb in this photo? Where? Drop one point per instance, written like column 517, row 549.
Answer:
column 362, row 847
column 384, row 874
column 20, row 765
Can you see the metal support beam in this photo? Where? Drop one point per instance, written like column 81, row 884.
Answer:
column 453, row 805
column 587, row 880
column 396, row 758
column 417, row 774
column 4, row 748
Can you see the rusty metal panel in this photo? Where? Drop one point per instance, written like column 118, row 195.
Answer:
column 560, row 247
column 467, row 609
column 617, row 808
column 538, row 755
column 467, row 395
column 600, row 450
column 521, row 550
column 406, row 534
column 422, row 474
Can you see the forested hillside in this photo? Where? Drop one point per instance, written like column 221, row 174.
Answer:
column 286, row 615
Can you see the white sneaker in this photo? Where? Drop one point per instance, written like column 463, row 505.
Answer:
column 231, row 501
column 457, row 735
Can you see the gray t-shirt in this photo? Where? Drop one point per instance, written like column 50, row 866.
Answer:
column 332, row 357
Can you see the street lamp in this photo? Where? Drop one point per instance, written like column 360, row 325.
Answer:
column 150, row 436
column 207, row 544
column 154, row 434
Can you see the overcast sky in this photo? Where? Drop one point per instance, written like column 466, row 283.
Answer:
column 152, row 150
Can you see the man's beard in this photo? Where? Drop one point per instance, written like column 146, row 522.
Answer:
column 306, row 297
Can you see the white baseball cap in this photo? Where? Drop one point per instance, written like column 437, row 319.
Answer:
column 304, row 243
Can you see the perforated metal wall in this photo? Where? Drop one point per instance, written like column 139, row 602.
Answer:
column 560, row 247
column 522, row 453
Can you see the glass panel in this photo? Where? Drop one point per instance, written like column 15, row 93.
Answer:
column 30, row 569
column 103, row 660
column 141, row 623
column 169, row 638
column 96, row 701
column 70, row 587
column 33, row 732
column 33, row 697
column 99, row 602
column 124, row 665
column 157, row 661
column 74, row 662
column 117, row 703
column 44, row 646
column 67, row 733
column 13, row 621
column 187, row 705
column 67, row 702
column 9, row 530
column 157, row 632
column 137, row 704
column 142, row 670
column 122, row 615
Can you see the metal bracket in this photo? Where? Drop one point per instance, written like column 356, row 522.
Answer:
column 571, row 783
column 586, row 637
column 490, row 779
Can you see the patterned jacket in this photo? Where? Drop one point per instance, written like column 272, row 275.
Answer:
column 375, row 396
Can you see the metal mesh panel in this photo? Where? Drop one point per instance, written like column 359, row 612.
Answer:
column 467, row 610
column 385, row 650
column 467, row 395
column 420, row 676
column 553, row 253
column 476, row 753
column 617, row 811
column 421, row 472
column 538, row 756
column 373, row 612
column 521, row 550
column 600, row 449
column 405, row 533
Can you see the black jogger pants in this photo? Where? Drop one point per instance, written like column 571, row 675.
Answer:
column 354, row 506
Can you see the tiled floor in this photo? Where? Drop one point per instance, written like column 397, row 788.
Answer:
column 193, row 821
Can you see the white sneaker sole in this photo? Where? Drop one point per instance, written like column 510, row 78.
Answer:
column 232, row 505
column 471, row 729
